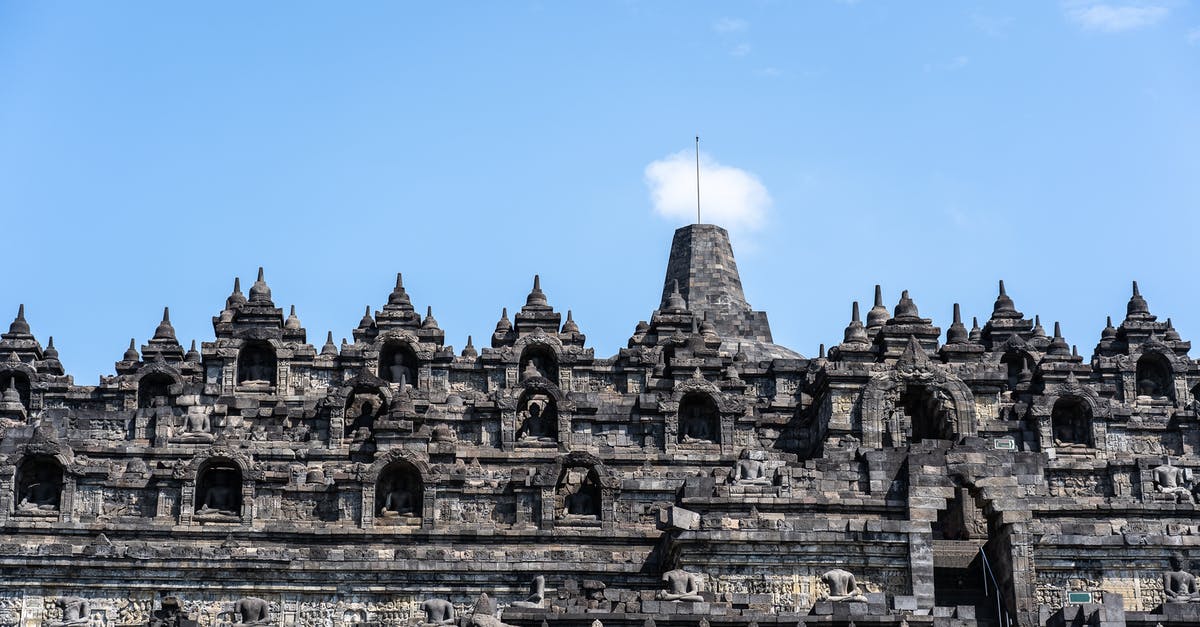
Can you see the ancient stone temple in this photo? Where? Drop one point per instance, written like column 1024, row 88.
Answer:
column 702, row 476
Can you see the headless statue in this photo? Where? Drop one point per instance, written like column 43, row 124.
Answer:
column 842, row 586
column 253, row 611
column 438, row 612
column 681, row 586
column 750, row 471
column 1175, row 481
column 1179, row 586
column 171, row 615
column 197, row 427
column 537, row 595
column 218, row 499
column 399, row 502
column 40, row 496
column 75, row 612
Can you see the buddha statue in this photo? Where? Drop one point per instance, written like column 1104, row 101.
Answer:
column 681, row 586
column 438, row 612
column 76, row 612
column 252, row 611
column 1175, row 481
column 537, row 595
column 197, row 428
column 171, row 615
column 537, row 419
column 1179, row 586
column 398, row 502
column 42, row 493
column 749, row 471
column 219, row 498
column 842, row 586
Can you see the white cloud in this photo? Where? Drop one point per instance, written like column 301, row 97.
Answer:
column 730, row 25
column 1112, row 18
column 729, row 196
column 740, row 50
column 1193, row 36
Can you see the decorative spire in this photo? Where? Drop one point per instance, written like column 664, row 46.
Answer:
column 367, row 320
column 131, row 353
column 1004, row 307
column 430, row 322
column 821, row 352
column 740, row 356
column 1109, row 332
column 906, row 309
column 957, row 333
column 398, row 295
column 1171, row 335
column 19, row 325
column 675, row 301
column 878, row 315
column 50, row 352
column 329, row 349
column 855, row 333
column 292, row 323
column 259, row 292
column 469, row 349
column 536, row 297
column 1058, row 345
column 976, row 333
column 569, row 326
column 503, row 325
column 1038, row 331
column 236, row 298
column 165, row 331
column 1137, row 309
column 192, row 355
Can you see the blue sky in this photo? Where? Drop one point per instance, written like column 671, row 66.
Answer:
column 150, row 152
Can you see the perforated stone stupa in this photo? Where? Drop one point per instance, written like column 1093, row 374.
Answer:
column 702, row 476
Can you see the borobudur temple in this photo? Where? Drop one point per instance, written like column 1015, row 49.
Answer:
column 703, row 476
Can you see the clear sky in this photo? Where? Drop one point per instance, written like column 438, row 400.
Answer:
column 150, row 152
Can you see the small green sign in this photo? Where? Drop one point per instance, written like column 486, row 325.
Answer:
column 1079, row 597
column 1004, row 444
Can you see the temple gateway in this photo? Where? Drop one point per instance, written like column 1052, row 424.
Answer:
column 703, row 476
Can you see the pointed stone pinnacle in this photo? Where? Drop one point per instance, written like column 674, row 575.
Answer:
column 854, row 312
column 957, row 314
column 260, row 273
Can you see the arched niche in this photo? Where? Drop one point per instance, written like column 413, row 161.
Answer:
column 256, row 363
column 399, row 494
column 152, row 386
column 219, row 490
column 39, row 485
column 930, row 412
column 543, row 358
column 1071, row 423
column 20, row 380
column 537, row 417
column 1019, row 366
column 1153, row 377
column 699, row 419
column 364, row 406
column 398, row 363
column 577, row 493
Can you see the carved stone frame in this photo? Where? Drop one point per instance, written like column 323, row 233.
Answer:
column 369, row 480
column 190, row 475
